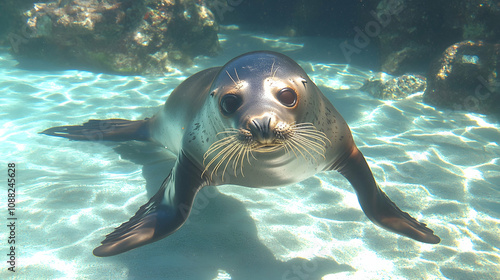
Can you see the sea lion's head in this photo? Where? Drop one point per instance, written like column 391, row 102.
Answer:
column 262, row 98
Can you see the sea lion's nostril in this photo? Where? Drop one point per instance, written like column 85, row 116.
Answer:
column 256, row 126
column 260, row 127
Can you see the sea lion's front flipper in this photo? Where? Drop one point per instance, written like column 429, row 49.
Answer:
column 164, row 213
column 110, row 130
column 375, row 203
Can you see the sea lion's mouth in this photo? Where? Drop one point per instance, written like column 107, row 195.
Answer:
column 267, row 147
column 239, row 147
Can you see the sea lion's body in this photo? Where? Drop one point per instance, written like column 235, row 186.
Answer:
column 258, row 121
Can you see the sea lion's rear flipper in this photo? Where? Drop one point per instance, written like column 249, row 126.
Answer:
column 97, row 130
column 164, row 213
column 377, row 206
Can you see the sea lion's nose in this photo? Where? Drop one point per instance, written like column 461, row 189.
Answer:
column 261, row 128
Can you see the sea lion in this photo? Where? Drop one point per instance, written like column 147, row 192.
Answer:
column 258, row 121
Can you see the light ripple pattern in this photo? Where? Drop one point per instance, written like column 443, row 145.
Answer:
column 440, row 166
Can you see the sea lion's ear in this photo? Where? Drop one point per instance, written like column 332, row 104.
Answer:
column 164, row 213
column 377, row 205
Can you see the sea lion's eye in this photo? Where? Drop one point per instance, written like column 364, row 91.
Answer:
column 230, row 103
column 287, row 97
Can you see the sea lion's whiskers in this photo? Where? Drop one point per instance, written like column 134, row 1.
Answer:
column 245, row 150
column 251, row 153
column 313, row 140
column 235, row 83
column 221, row 142
column 215, row 146
column 228, row 131
column 313, row 146
column 295, row 147
column 303, row 125
column 305, row 139
column 311, row 131
column 229, row 156
column 300, row 145
column 239, row 159
column 248, row 150
column 235, row 72
column 209, row 152
column 276, row 70
column 228, row 149
column 289, row 147
column 229, row 152
column 317, row 137
column 294, row 144
column 221, row 152
column 320, row 149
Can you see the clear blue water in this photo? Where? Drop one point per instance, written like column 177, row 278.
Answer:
column 440, row 166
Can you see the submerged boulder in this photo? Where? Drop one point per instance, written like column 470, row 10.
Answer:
column 122, row 36
column 416, row 31
column 11, row 18
column 465, row 77
column 384, row 86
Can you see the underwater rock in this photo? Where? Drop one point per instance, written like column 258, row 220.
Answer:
column 384, row 86
column 466, row 78
column 418, row 30
column 11, row 18
column 121, row 36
